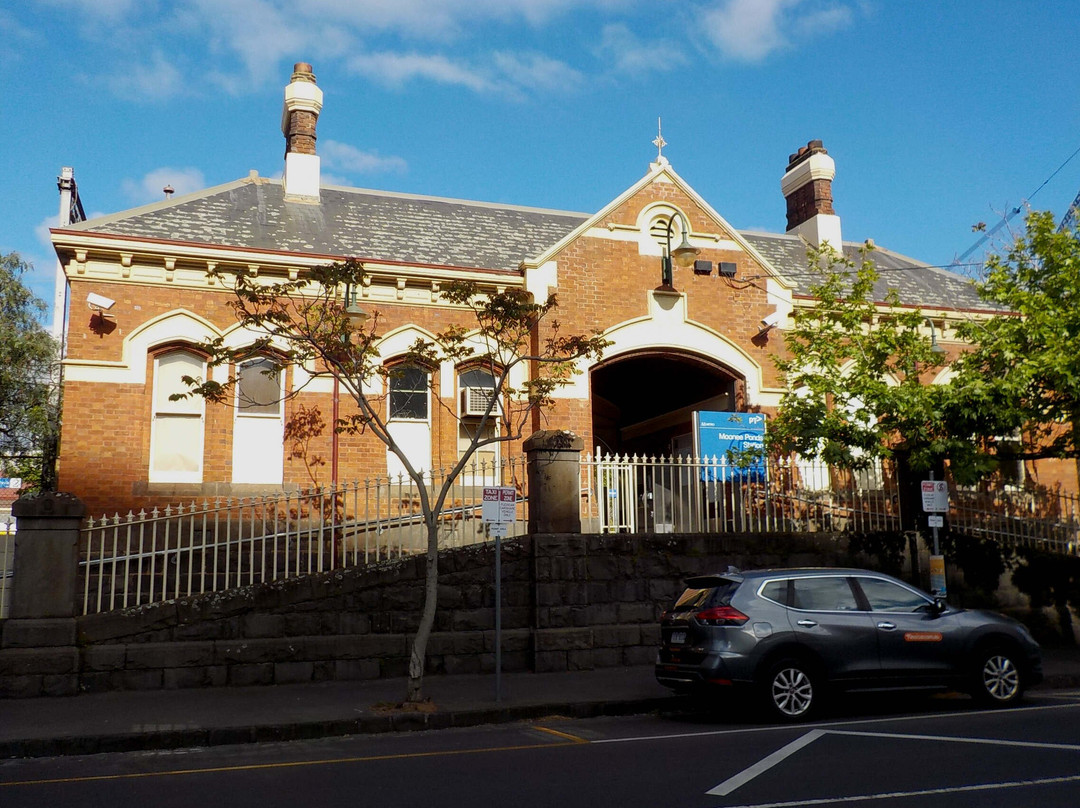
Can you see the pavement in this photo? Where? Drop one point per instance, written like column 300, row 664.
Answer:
column 154, row 719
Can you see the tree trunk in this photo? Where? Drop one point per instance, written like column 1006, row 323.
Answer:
column 418, row 655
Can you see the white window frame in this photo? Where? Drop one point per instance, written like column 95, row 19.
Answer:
column 190, row 409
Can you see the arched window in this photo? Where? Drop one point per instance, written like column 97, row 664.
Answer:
column 176, row 431
column 409, row 417
column 258, row 426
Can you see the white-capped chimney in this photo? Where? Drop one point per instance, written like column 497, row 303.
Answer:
column 299, row 115
column 807, row 186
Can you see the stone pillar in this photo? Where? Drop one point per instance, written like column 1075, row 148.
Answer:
column 46, row 555
column 554, row 458
column 39, row 655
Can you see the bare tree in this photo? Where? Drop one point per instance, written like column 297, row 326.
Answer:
column 314, row 321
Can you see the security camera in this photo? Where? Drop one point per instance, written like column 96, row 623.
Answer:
column 99, row 303
column 770, row 321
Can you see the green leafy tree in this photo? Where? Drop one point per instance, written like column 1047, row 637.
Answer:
column 855, row 371
column 1021, row 378
column 309, row 315
column 27, row 356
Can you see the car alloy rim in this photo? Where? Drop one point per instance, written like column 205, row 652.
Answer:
column 1000, row 677
column 792, row 691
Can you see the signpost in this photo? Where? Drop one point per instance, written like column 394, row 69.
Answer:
column 498, row 510
column 718, row 433
column 935, row 501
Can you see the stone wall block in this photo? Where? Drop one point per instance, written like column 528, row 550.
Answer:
column 142, row 656
column 124, row 623
column 549, row 661
column 39, row 633
column 205, row 676
column 564, row 639
column 261, row 673
column 616, row 636
column 353, row 669
column 38, row 661
column 637, row 613
column 288, row 673
column 104, row 657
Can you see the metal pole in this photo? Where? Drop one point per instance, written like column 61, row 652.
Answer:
column 498, row 618
column 936, row 550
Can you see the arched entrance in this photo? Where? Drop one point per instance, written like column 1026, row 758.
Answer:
column 643, row 401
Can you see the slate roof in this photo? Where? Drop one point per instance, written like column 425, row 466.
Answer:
column 916, row 283
column 380, row 225
column 350, row 222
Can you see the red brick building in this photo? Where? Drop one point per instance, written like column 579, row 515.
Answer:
column 701, row 343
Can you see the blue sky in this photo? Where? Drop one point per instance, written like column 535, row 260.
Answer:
column 938, row 114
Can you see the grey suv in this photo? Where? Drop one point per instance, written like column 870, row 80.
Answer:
column 794, row 633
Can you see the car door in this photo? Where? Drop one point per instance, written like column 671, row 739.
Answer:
column 826, row 617
column 915, row 641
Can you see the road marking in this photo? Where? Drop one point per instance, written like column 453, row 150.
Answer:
column 1068, row 747
column 673, row 736
column 289, row 764
column 929, row 792
column 565, row 735
column 766, row 763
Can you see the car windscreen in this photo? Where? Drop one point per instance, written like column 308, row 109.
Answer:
column 697, row 597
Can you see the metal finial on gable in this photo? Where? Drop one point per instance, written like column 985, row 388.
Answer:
column 659, row 142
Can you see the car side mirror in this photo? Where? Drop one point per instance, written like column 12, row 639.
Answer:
column 940, row 605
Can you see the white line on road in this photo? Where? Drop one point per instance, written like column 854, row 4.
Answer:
column 895, row 795
column 766, row 763
column 922, row 717
column 1068, row 747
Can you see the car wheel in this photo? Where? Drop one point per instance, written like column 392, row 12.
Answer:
column 791, row 690
column 997, row 679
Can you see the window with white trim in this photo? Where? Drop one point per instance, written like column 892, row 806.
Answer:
column 176, row 432
column 408, row 417
column 259, row 425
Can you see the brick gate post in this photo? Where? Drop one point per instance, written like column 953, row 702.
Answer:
column 554, row 458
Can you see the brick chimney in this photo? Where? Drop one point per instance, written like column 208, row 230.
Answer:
column 807, row 186
column 300, row 113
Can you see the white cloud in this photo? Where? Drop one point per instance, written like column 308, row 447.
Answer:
column 158, row 79
column 627, row 53
column 151, row 187
column 396, row 69
column 343, row 157
column 536, row 72
column 752, row 30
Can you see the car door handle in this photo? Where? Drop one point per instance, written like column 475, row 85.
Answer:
column 887, row 626
column 807, row 623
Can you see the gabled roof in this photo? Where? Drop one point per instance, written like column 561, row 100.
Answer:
column 253, row 213
column 916, row 283
column 349, row 222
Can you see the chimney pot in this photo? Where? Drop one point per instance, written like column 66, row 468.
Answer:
column 299, row 116
column 807, row 187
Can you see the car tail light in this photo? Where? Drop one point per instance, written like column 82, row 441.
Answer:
column 722, row 616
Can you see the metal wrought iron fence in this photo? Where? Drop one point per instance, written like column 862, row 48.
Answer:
column 7, row 564
column 638, row 494
column 1048, row 520
column 210, row 546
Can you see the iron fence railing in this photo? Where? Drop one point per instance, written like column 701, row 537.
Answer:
column 637, row 494
column 1048, row 520
column 190, row 549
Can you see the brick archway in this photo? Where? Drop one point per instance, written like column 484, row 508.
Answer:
column 643, row 400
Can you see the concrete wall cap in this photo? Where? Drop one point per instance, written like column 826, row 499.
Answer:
column 554, row 440
column 49, row 505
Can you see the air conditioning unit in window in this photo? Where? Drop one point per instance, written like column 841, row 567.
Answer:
column 475, row 400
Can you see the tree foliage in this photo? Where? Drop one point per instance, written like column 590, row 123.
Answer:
column 305, row 321
column 854, row 370
column 27, row 354
column 1021, row 377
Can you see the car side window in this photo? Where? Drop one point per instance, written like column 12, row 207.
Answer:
column 832, row 594
column 885, row 596
column 776, row 591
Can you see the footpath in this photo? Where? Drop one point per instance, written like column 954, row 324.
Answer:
column 169, row 719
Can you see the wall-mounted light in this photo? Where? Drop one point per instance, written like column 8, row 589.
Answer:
column 934, row 347
column 682, row 255
column 356, row 314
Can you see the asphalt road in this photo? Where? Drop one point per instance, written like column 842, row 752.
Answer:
column 941, row 752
